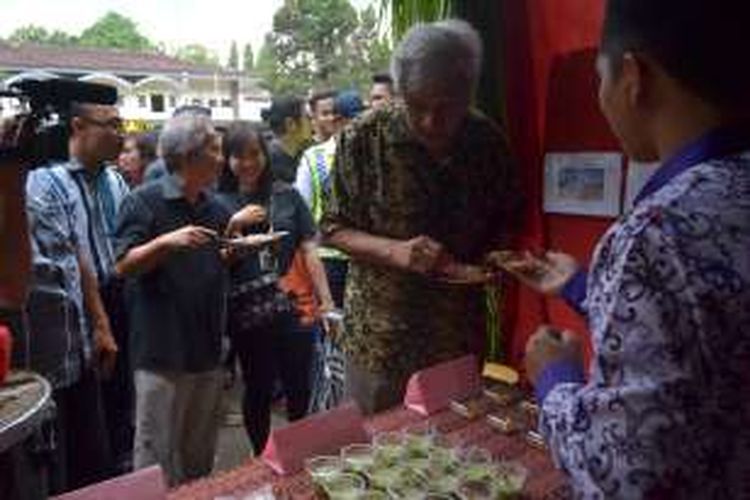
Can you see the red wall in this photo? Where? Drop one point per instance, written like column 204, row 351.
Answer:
column 550, row 50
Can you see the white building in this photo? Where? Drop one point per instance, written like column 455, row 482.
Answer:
column 150, row 86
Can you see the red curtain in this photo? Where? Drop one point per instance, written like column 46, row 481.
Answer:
column 550, row 83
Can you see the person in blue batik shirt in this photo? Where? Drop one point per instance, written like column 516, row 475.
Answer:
column 665, row 411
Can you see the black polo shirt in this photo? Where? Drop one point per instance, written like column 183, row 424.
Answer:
column 283, row 166
column 177, row 309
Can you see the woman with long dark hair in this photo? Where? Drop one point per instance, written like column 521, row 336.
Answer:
column 267, row 334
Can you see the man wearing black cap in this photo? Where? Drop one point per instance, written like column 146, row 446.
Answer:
column 292, row 131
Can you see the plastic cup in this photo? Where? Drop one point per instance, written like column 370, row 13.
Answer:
column 381, row 477
column 417, row 442
column 408, row 484
column 443, row 455
column 388, row 447
column 476, row 465
column 511, row 478
column 358, row 457
column 323, row 467
column 374, row 495
column 476, row 489
column 344, row 486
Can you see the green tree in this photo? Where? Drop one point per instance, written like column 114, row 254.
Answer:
column 248, row 58
column 197, row 54
column 321, row 43
column 116, row 31
column 367, row 53
column 266, row 68
column 234, row 57
column 37, row 34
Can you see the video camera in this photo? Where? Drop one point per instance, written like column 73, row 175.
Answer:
column 46, row 120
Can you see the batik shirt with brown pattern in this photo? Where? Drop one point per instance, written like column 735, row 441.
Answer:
column 386, row 184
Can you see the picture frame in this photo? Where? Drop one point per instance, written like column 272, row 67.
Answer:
column 585, row 183
column 638, row 175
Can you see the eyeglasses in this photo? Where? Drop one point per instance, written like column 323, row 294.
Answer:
column 113, row 123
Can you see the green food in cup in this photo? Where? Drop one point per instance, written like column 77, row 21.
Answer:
column 478, row 472
column 476, row 490
column 383, row 477
column 343, row 486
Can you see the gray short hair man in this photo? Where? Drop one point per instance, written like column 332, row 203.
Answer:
column 166, row 236
column 157, row 168
column 183, row 138
column 447, row 53
column 415, row 187
column 436, row 70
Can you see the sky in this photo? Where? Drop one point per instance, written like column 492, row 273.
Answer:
column 213, row 23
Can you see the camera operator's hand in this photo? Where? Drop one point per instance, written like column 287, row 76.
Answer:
column 15, row 253
column 16, row 137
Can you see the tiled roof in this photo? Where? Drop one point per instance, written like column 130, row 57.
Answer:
column 32, row 56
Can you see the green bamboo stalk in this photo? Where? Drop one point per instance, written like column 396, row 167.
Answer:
column 402, row 14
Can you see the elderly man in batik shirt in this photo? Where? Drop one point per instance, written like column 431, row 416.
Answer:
column 665, row 412
column 419, row 192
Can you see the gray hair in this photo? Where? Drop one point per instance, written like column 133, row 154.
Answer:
column 184, row 137
column 443, row 52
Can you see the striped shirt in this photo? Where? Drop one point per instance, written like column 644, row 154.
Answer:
column 98, row 197
column 58, row 341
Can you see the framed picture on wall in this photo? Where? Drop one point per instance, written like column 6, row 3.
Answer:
column 583, row 183
column 638, row 175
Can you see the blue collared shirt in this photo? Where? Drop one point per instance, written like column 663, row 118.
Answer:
column 98, row 198
column 57, row 341
column 70, row 212
column 665, row 411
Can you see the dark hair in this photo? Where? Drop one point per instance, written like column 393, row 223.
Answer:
column 236, row 138
column 321, row 96
column 78, row 109
column 700, row 43
column 146, row 144
column 281, row 109
column 384, row 78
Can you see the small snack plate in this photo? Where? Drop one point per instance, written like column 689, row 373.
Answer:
column 536, row 440
column 503, row 394
column 503, row 423
column 472, row 407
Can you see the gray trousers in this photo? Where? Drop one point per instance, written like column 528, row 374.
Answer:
column 373, row 391
column 177, row 421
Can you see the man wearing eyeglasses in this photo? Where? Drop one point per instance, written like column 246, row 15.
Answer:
column 72, row 209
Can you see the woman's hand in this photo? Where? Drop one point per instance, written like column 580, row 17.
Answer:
column 247, row 216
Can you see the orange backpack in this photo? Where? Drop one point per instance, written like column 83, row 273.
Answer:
column 298, row 284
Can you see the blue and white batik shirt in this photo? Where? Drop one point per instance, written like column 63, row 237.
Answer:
column 666, row 410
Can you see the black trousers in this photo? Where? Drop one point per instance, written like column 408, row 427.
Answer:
column 336, row 272
column 82, row 454
column 118, row 393
column 279, row 349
